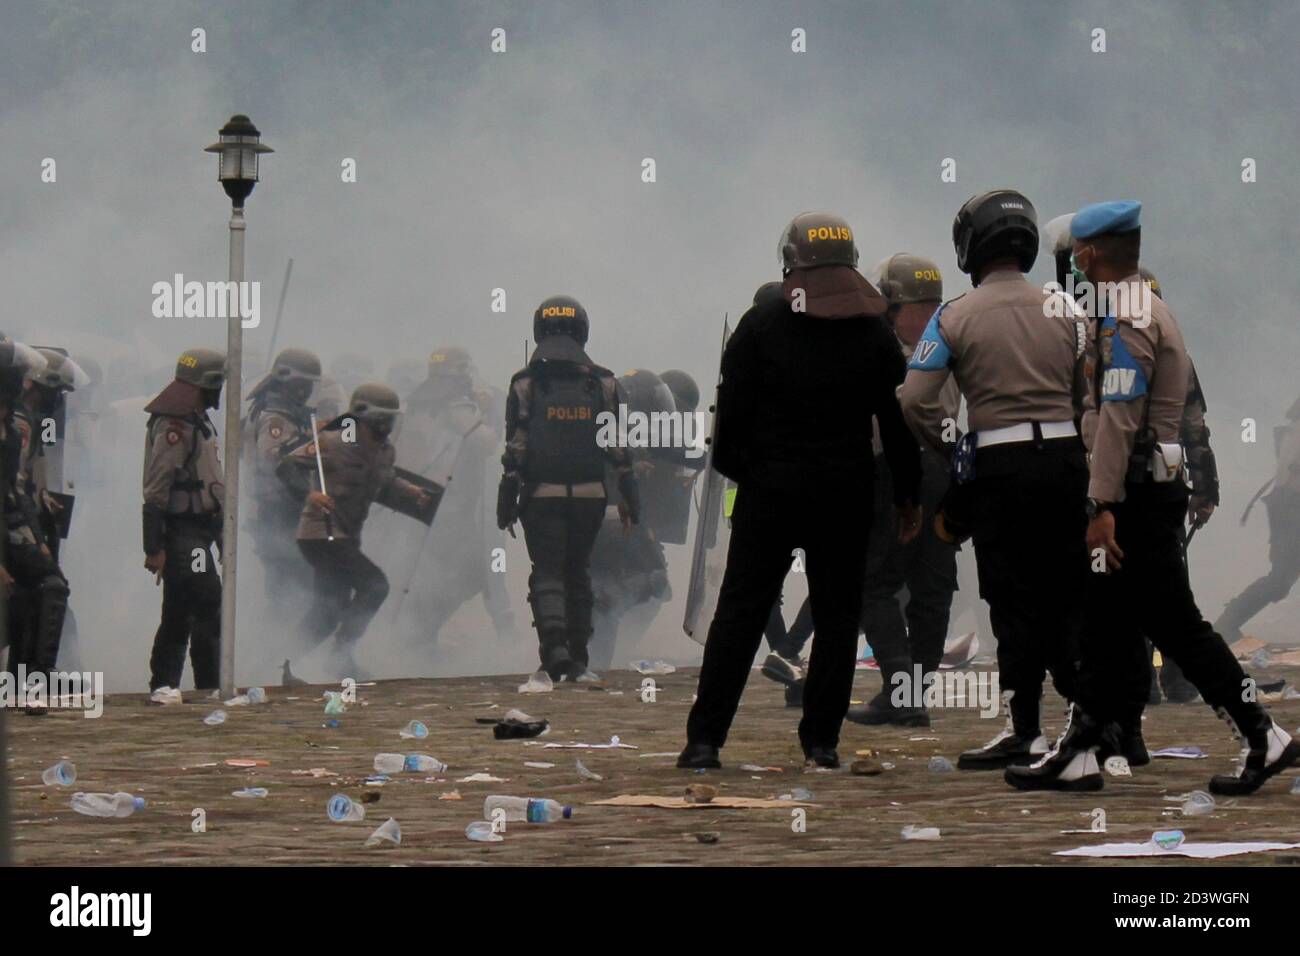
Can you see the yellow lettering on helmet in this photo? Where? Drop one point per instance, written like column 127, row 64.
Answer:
column 437, row 357
column 928, row 274
column 189, row 361
column 816, row 233
column 555, row 311
column 572, row 413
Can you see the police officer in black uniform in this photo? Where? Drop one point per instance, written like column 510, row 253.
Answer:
column 802, row 377
column 554, row 478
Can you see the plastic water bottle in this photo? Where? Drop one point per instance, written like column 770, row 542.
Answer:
column 215, row 719
column 920, row 833
column 254, row 792
column 343, row 809
column 527, row 810
column 62, row 774
column 106, row 804
column 1167, row 839
column 410, row 763
column 940, row 764
column 256, row 695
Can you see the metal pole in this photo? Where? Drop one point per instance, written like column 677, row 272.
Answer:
column 230, row 510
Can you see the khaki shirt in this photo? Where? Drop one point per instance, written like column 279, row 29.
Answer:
column 31, row 461
column 274, row 432
column 1012, row 353
column 1137, row 371
column 355, row 477
column 182, row 466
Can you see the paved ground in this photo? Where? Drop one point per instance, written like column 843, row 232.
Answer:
column 168, row 756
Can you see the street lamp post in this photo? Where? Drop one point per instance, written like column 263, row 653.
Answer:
column 238, row 149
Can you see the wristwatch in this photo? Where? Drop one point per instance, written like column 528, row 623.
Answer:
column 1095, row 507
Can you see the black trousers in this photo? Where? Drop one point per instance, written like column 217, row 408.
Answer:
column 348, row 587
column 906, row 629
column 191, row 607
column 789, row 643
column 1027, row 510
column 37, row 608
column 560, row 534
column 765, row 528
column 1150, row 594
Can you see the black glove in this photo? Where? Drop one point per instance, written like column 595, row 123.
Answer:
column 507, row 501
column 627, row 487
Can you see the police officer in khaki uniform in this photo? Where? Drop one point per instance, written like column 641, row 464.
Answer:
column 554, row 479
column 908, row 635
column 1019, row 476
column 184, row 491
column 279, row 420
column 1137, row 501
column 357, row 459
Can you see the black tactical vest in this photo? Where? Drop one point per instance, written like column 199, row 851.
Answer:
column 562, row 428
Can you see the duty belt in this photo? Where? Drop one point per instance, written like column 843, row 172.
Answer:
column 584, row 489
column 1025, row 431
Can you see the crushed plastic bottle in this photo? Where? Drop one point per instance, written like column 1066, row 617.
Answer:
column 106, row 804
column 413, row 731
column 251, row 792
column 334, row 703
column 920, row 833
column 215, row 719
column 539, row 683
column 653, row 667
column 343, row 809
column 1167, row 839
column 1198, row 803
column 409, row 763
column 62, row 774
column 256, row 695
column 585, row 774
column 480, row 831
column 801, row 794
column 387, row 831
column 940, row 764
column 527, row 810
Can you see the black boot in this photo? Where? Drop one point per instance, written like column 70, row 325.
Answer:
column 1123, row 738
column 1021, row 742
column 1072, row 764
column 1267, row 749
column 821, row 757
column 699, row 756
column 794, row 694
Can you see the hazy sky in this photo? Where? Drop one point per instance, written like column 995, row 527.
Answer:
column 522, row 170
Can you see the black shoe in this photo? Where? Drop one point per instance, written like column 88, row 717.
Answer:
column 794, row 694
column 1072, row 764
column 1126, row 742
column 879, row 712
column 1005, row 750
column 1267, row 752
column 821, row 757
column 699, row 757
column 783, row 670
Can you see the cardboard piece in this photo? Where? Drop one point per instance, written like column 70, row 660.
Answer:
column 1197, row 851
column 681, row 803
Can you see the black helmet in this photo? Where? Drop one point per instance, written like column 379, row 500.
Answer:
column 646, row 392
column 375, row 404
column 817, row 239
column 685, row 392
column 451, row 361
column 995, row 225
column 561, row 315
column 205, row 368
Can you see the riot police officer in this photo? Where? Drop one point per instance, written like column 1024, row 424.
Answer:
column 554, row 478
column 908, row 640
column 1019, row 477
column 279, row 420
column 356, row 458
column 184, row 491
column 1137, row 501
column 802, row 377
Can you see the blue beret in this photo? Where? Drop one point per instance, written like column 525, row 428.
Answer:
column 1103, row 217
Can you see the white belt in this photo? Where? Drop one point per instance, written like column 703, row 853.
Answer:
column 1023, row 432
